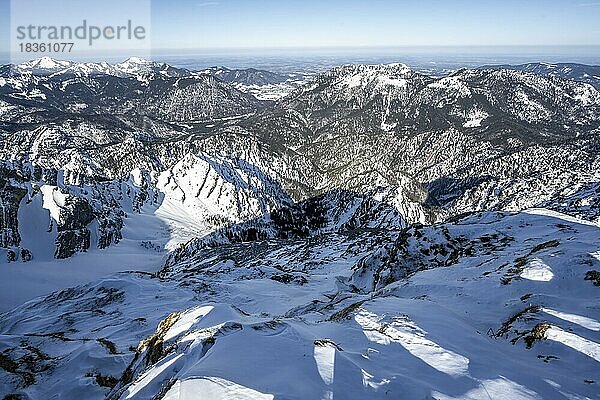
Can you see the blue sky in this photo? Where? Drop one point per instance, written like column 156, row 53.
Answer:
column 311, row 23
column 209, row 24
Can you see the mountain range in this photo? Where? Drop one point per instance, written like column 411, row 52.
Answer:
column 578, row 72
column 368, row 232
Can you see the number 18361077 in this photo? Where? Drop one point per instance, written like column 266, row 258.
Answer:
column 36, row 47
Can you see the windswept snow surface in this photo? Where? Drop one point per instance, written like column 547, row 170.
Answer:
column 500, row 388
column 213, row 388
column 583, row 345
column 195, row 197
column 325, row 359
column 556, row 214
column 337, row 316
column 537, row 270
column 187, row 320
column 413, row 340
column 576, row 319
column 45, row 274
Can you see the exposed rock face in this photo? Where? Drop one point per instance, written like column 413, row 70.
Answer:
column 11, row 195
column 26, row 255
column 73, row 235
column 11, row 256
column 71, row 242
column 75, row 213
column 10, row 198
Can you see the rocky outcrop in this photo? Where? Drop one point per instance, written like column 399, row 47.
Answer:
column 10, row 198
column 71, row 242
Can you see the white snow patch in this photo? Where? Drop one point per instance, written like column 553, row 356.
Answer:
column 556, row 214
column 149, row 376
column 367, row 380
column 213, row 388
column 198, row 336
column 537, row 270
column 475, row 118
column 4, row 106
column 137, row 176
column 54, row 200
column 325, row 359
column 389, row 81
column 44, row 63
column 452, row 84
column 187, row 320
column 353, row 81
column 500, row 388
column 586, row 94
column 184, row 222
column 431, row 353
column 586, row 322
column 585, row 346
column 388, row 127
column 34, row 93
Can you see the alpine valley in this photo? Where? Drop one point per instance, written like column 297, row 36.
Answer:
column 366, row 232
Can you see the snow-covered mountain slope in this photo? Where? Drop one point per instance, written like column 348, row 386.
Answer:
column 204, row 193
column 396, row 98
column 376, row 233
column 249, row 76
column 474, row 127
column 196, row 196
column 127, row 92
column 263, row 85
column 577, row 72
column 133, row 67
column 480, row 308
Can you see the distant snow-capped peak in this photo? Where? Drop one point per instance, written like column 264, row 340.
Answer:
column 133, row 66
column 136, row 64
column 46, row 63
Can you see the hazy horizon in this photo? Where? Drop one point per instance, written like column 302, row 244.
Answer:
column 536, row 29
column 319, row 59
